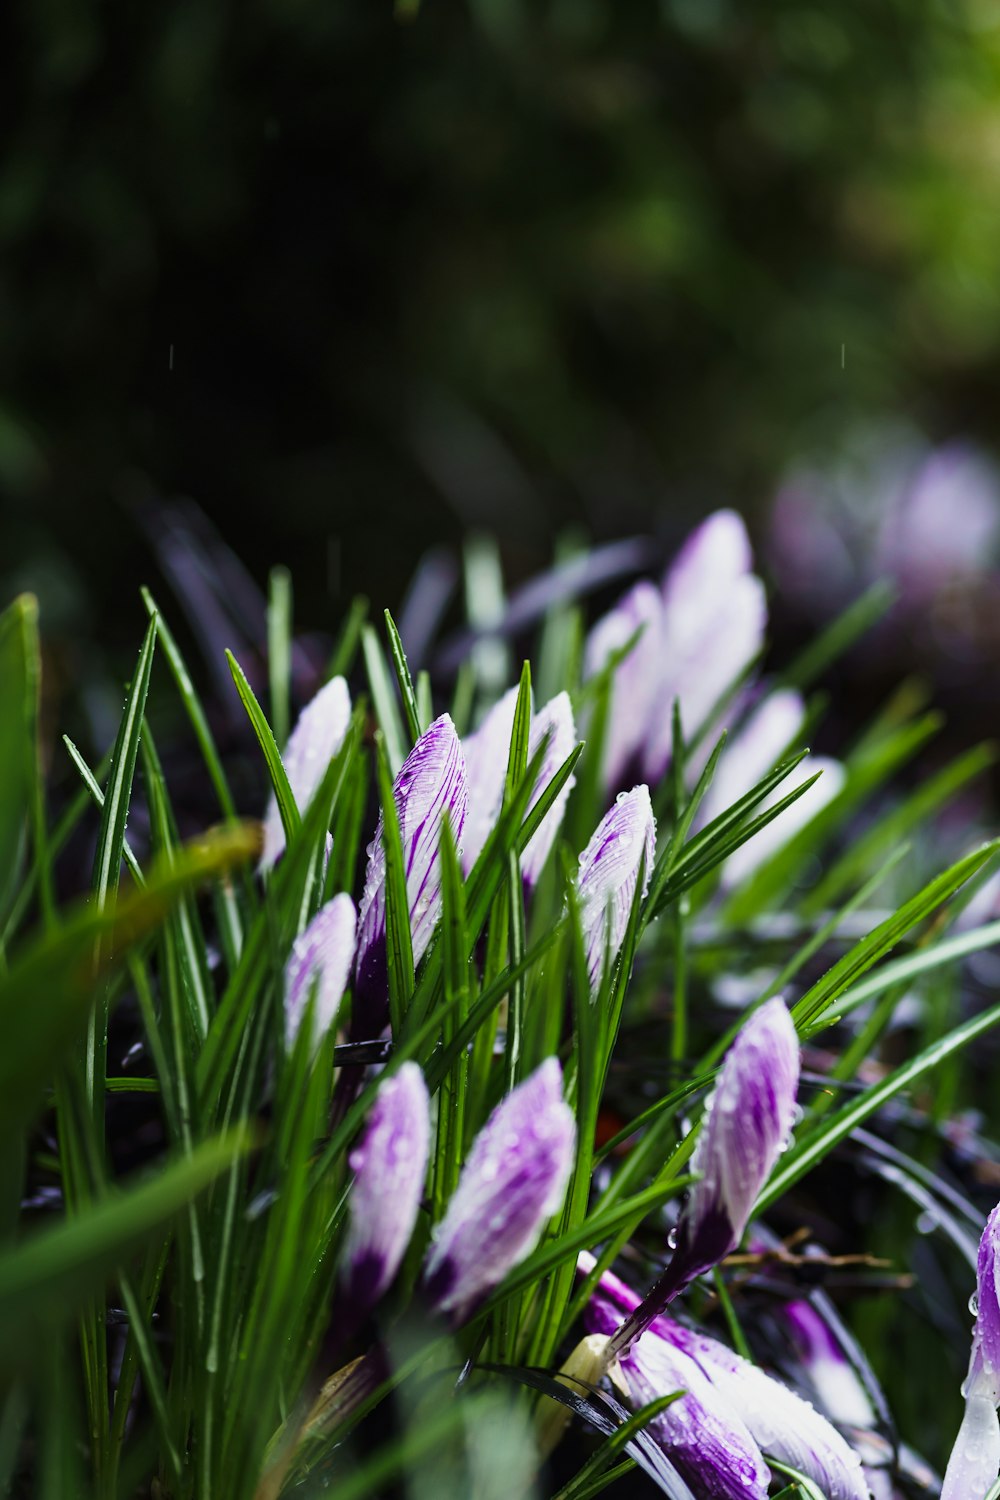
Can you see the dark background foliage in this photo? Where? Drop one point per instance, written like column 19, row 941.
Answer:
column 357, row 280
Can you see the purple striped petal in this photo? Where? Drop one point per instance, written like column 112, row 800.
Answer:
column 975, row 1458
column 760, row 744
column 783, row 1425
column 701, row 1435
column 318, row 735
column 635, row 681
column 323, row 952
column 511, row 1185
column 747, row 1121
column 389, row 1166
column 487, row 753
column 767, row 841
column 829, row 1372
column 609, row 871
column 431, row 780
column 714, row 617
column 556, row 721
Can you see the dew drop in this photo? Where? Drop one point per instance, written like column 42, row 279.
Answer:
column 974, row 1304
column 673, row 1237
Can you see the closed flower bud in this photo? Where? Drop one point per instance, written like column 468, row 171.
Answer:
column 431, row 782
column 747, row 1121
column 634, row 686
column 320, row 955
column 609, row 872
column 389, row 1165
column 318, row 735
column 510, row 1186
column 554, row 721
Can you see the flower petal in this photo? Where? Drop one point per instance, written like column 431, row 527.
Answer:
column 511, row 1185
column 431, row 781
column 487, row 753
column 389, row 1166
column 634, row 687
column 325, row 949
column 318, row 735
column 556, row 721
column 609, row 871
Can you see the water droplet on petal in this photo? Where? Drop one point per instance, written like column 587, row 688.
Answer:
column 673, row 1237
column 974, row 1304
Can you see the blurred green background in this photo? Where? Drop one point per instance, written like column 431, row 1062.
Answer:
column 357, row 279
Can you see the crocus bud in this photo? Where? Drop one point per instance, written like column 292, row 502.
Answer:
column 634, row 686
column 510, row 1186
column 555, row 720
column 747, row 1121
column 318, row 735
column 431, row 781
column 714, row 616
column 321, row 954
column 703, row 1438
column 609, row 871
column 975, row 1458
column 486, row 755
column 388, row 1165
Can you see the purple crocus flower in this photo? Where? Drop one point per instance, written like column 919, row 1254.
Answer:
column 747, row 1120
column 714, row 616
column 708, row 1444
column 975, row 1458
column 780, row 1423
column 609, row 871
column 389, row 1165
column 633, row 691
column 510, row 1186
column 487, row 753
column 318, row 735
column 768, row 733
column 555, row 721
column 322, row 953
column 767, row 841
column 431, row 781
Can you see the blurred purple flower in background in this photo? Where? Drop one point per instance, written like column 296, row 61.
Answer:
column 431, row 781
column 323, row 952
column 699, row 634
column 318, row 735
column 975, row 1459
column 609, row 873
column 747, row 1122
column 389, row 1165
column 511, row 1184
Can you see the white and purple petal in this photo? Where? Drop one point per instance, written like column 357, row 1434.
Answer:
column 555, row 720
column 767, row 841
column 975, row 1458
column 830, row 1373
column 635, row 680
column 318, row 735
column 431, row 782
column 487, row 753
column 321, row 954
column 765, row 737
column 389, row 1164
column 609, row 873
column 704, row 1439
column 512, row 1183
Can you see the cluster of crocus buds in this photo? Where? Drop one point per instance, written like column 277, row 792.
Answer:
column 975, row 1459
column 511, row 1184
column 747, row 1123
column 732, row 1415
column 696, row 636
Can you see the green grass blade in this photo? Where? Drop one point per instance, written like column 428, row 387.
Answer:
column 279, row 650
column 287, row 806
column 406, row 688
